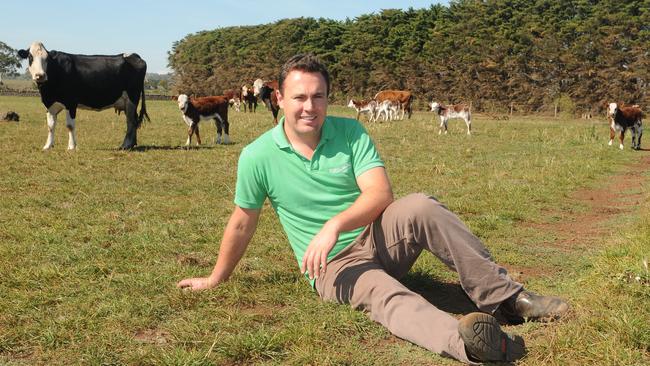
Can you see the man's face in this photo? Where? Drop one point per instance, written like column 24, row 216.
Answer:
column 304, row 101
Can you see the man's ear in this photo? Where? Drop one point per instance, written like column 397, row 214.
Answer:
column 280, row 98
column 23, row 53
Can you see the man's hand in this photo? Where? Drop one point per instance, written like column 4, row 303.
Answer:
column 314, row 261
column 195, row 284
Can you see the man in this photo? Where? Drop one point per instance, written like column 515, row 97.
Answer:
column 353, row 241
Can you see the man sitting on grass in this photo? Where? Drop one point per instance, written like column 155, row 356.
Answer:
column 329, row 188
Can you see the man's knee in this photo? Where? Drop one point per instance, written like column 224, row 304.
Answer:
column 418, row 205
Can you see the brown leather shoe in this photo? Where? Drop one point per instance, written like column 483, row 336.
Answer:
column 528, row 306
column 485, row 341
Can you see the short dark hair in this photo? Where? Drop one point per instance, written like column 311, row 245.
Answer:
column 305, row 62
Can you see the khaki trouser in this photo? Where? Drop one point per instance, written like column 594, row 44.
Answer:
column 365, row 274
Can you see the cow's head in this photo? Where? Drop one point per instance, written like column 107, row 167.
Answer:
column 37, row 56
column 257, row 87
column 612, row 109
column 351, row 104
column 183, row 101
column 435, row 106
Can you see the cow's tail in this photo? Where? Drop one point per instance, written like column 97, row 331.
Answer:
column 143, row 112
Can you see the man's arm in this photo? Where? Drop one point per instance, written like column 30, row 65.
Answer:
column 239, row 231
column 376, row 195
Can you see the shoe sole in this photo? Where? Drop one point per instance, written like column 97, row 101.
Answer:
column 486, row 341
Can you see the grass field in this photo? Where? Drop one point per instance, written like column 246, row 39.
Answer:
column 93, row 241
column 19, row 84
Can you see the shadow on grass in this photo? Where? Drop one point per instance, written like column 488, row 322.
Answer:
column 145, row 148
column 448, row 297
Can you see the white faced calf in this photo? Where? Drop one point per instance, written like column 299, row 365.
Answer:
column 388, row 109
column 620, row 119
column 446, row 112
column 196, row 109
column 364, row 106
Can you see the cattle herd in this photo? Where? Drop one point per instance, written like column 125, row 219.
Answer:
column 68, row 82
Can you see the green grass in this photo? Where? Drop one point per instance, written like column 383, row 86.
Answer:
column 93, row 241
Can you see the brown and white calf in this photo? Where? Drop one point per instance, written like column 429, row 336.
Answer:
column 195, row 109
column 249, row 98
column 447, row 112
column 266, row 91
column 622, row 118
column 364, row 106
column 402, row 98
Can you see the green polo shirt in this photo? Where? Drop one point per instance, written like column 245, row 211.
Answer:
column 305, row 193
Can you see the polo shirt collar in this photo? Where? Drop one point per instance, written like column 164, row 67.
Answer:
column 281, row 138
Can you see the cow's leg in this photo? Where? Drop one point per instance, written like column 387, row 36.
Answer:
column 198, row 135
column 52, row 112
column 274, row 110
column 640, row 133
column 217, row 124
column 130, row 139
column 612, row 134
column 636, row 136
column 226, row 127
column 70, row 115
column 190, row 132
column 188, row 121
column 622, row 137
column 468, row 122
column 443, row 123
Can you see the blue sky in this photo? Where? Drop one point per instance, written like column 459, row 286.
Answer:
column 149, row 27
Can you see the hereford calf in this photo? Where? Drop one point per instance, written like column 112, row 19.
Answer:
column 364, row 106
column 249, row 98
column 446, row 112
column 195, row 109
column 621, row 118
column 266, row 91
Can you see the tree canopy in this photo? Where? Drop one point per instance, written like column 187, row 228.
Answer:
column 9, row 61
column 491, row 53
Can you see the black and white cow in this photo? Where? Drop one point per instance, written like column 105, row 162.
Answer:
column 622, row 118
column 67, row 81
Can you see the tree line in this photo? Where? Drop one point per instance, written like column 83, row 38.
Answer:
column 493, row 53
